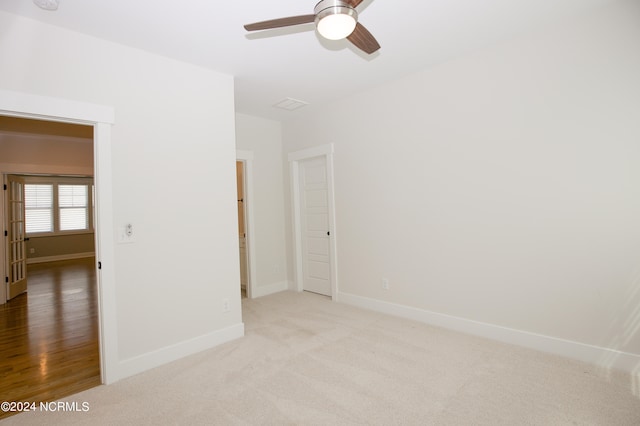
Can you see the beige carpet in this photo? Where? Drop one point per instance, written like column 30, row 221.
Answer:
column 308, row 361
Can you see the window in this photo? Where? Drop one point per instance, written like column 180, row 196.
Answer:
column 38, row 208
column 72, row 201
column 58, row 205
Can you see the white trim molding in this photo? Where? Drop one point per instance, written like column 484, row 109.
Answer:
column 170, row 353
column 316, row 151
column 602, row 357
column 58, row 258
column 46, row 108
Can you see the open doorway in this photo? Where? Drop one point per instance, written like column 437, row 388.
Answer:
column 52, row 329
column 244, row 182
column 242, row 229
column 101, row 117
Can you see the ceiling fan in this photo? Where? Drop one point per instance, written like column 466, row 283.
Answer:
column 334, row 19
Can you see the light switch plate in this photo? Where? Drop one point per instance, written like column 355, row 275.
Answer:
column 124, row 237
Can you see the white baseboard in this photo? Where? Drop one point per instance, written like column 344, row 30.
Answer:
column 259, row 291
column 602, row 357
column 171, row 353
column 71, row 256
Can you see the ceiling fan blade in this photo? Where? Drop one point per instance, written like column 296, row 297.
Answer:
column 363, row 40
column 354, row 3
column 282, row 22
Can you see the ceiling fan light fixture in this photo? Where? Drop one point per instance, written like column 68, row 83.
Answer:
column 335, row 19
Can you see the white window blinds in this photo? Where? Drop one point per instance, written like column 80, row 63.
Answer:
column 38, row 208
column 58, row 204
column 72, row 201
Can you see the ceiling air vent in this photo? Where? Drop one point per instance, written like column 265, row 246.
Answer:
column 290, row 104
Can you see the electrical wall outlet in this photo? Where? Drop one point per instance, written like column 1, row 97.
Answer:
column 385, row 284
column 226, row 305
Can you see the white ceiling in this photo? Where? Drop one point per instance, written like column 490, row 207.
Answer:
column 295, row 62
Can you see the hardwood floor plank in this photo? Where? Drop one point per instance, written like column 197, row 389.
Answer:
column 49, row 336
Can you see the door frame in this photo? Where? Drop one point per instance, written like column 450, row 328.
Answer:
column 8, row 180
column 101, row 117
column 247, row 158
column 295, row 158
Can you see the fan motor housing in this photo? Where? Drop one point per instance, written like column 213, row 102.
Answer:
column 333, row 7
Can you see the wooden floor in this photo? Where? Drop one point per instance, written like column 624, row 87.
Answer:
column 49, row 335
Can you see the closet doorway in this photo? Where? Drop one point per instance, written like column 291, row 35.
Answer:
column 246, row 232
column 242, row 230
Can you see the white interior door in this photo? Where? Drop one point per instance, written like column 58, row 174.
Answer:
column 315, row 227
column 16, row 246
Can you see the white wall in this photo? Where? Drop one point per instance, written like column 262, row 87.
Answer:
column 173, row 152
column 501, row 188
column 264, row 139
